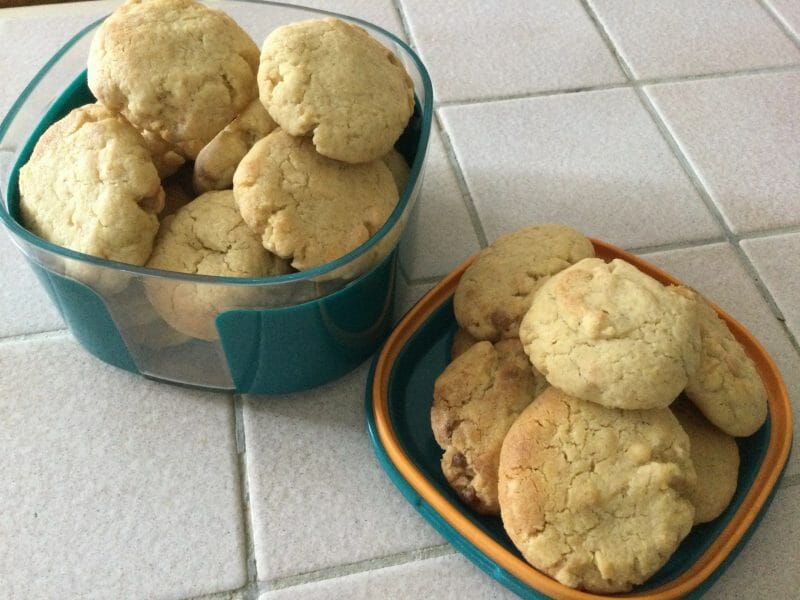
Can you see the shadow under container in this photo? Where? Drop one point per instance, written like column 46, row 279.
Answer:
column 272, row 335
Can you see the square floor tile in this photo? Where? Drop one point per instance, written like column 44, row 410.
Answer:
column 765, row 568
column 692, row 37
column 407, row 296
column 439, row 235
column 24, row 305
column 592, row 160
column 113, row 486
column 788, row 11
column 742, row 136
column 718, row 272
column 317, row 494
column 449, row 577
column 775, row 259
column 476, row 49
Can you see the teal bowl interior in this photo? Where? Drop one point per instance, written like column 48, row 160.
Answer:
column 298, row 331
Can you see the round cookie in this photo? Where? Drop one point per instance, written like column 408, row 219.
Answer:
column 173, row 67
column 399, row 168
column 332, row 80
column 496, row 290
column 206, row 237
column 217, row 161
column 306, row 207
column 593, row 496
column 90, row 185
column 475, row 401
column 726, row 386
column 608, row 333
column 716, row 459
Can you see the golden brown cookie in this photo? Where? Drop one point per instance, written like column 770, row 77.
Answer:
column 462, row 341
column 399, row 168
column 496, row 290
column 165, row 159
column 332, row 80
column 595, row 497
column 217, row 161
column 716, row 459
column 306, row 207
column 475, row 401
column 90, row 185
column 608, row 333
column 726, row 386
column 206, row 237
column 173, row 67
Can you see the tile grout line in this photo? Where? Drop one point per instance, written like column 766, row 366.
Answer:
column 35, row 335
column 695, row 178
column 363, row 566
column 461, row 181
column 250, row 589
column 779, row 21
column 404, row 24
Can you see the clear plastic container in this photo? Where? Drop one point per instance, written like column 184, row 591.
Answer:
column 272, row 335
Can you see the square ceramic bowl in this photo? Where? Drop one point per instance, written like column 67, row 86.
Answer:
column 398, row 405
column 293, row 332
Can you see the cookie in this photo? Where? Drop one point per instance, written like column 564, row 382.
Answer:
column 462, row 341
column 173, row 67
column 399, row 168
column 206, row 237
column 475, row 401
column 608, row 333
column 595, row 497
column 726, row 386
column 308, row 208
column 90, row 185
column 165, row 159
column 332, row 80
column 716, row 459
column 496, row 290
column 217, row 161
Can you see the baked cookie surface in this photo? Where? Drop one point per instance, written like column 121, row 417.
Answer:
column 206, row 237
column 173, row 67
column 726, row 386
column 595, row 497
column 716, row 459
column 306, row 207
column 165, row 159
column 608, row 333
column 496, row 290
column 90, row 185
column 475, row 401
column 217, row 161
column 332, row 80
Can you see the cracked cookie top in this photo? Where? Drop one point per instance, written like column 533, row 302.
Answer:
column 331, row 79
column 309, row 208
column 608, row 333
column 173, row 67
column 593, row 496
column 217, row 161
column 475, row 401
column 90, row 185
column 495, row 292
column 206, row 237
column 726, row 386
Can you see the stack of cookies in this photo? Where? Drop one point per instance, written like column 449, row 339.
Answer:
column 591, row 407
column 203, row 155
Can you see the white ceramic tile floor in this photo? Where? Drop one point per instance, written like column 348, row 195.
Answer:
column 475, row 49
column 742, row 136
column 692, row 37
column 593, row 160
column 775, row 259
column 125, row 488
column 113, row 486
